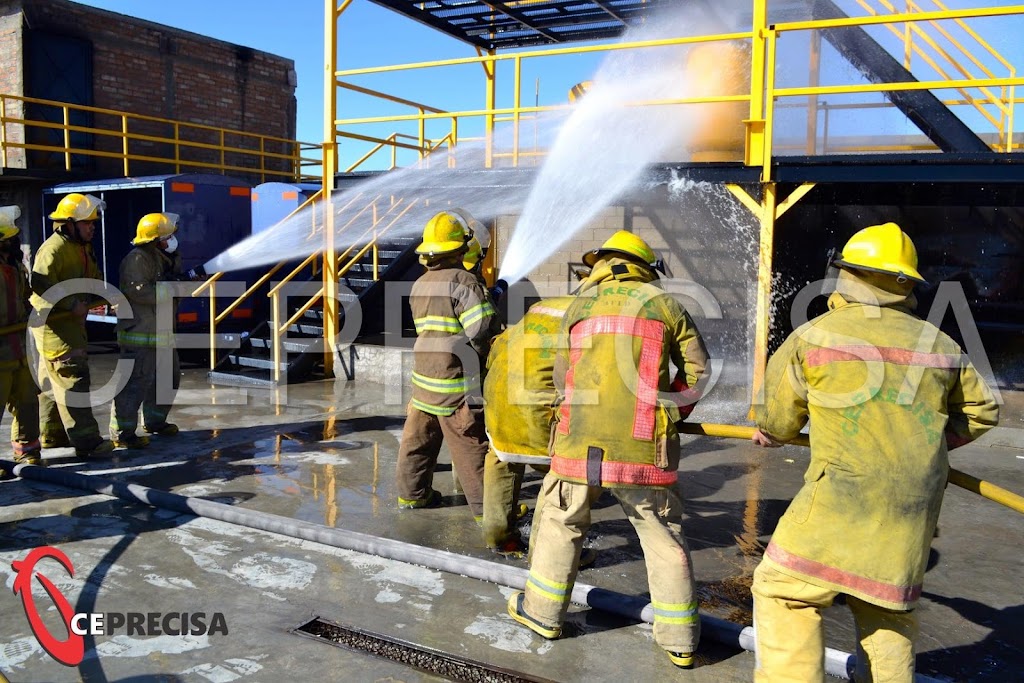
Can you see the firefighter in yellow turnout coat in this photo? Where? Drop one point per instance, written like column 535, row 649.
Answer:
column 151, row 386
column 887, row 394
column 616, row 431
column 455, row 322
column 18, row 391
column 62, row 343
column 521, row 399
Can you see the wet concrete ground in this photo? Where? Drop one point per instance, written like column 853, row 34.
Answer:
column 328, row 456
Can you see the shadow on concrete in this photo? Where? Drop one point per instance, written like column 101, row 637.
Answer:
column 996, row 658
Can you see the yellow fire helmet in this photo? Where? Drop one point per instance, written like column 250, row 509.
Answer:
column 78, row 207
column 9, row 214
column 882, row 249
column 445, row 233
column 625, row 243
column 155, row 226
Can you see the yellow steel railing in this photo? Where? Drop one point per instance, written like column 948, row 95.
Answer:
column 515, row 114
column 926, row 34
column 210, row 285
column 763, row 154
column 380, row 224
column 135, row 139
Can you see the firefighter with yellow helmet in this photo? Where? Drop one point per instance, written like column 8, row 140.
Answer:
column 62, row 342
column 18, row 391
column 617, row 341
column 886, row 395
column 455, row 321
column 151, row 386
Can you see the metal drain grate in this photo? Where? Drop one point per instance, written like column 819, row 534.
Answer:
column 414, row 656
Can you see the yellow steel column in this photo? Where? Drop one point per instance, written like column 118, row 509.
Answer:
column 331, row 312
column 763, row 305
column 754, row 147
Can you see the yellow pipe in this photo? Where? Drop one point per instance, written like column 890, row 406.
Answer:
column 892, row 87
column 900, row 18
column 18, row 327
column 385, row 96
column 745, row 35
column 962, row 479
column 510, row 111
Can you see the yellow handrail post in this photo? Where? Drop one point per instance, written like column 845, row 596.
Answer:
column 213, row 325
column 769, row 105
column 517, row 74
column 394, row 151
column 490, row 74
column 67, row 138
column 812, row 100
column 177, row 147
column 1009, row 116
column 376, row 256
column 3, row 130
column 421, row 140
column 454, row 141
column 908, row 38
column 263, row 159
column 223, row 159
column 124, row 143
column 276, row 303
column 755, row 125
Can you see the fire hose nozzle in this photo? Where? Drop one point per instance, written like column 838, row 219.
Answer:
column 499, row 289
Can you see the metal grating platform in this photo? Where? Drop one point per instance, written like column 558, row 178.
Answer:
column 498, row 25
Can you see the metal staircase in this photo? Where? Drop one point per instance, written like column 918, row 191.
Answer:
column 301, row 353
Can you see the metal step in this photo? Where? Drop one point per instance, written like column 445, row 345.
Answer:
column 251, row 378
column 258, row 362
column 287, row 346
column 307, row 329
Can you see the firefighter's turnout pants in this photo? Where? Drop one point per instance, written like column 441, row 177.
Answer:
column 656, row 514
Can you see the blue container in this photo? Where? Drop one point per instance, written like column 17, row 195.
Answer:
column 271, row 202
column 215, row 211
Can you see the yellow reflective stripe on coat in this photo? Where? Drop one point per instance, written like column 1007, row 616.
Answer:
column 437, row 323
column 456, row 385
column 478, row 312
column 674, row 613
column 552, row 590
column 430, row 409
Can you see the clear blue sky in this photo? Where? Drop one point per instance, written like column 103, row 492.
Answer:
column 369, row 35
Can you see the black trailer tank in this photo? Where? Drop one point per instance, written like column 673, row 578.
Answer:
column 215, row 211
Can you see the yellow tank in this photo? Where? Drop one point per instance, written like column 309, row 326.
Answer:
column 715, row 69
column 579, row 90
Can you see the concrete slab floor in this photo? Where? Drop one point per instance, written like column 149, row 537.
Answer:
column 328, row 456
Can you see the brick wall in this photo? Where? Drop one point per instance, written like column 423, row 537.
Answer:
column 12, row 77
column 150, row 69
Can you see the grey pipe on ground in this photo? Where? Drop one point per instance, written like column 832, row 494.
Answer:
column 837, row 663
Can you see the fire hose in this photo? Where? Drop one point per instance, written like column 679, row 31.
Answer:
column 962, row 479
column 837, row 662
